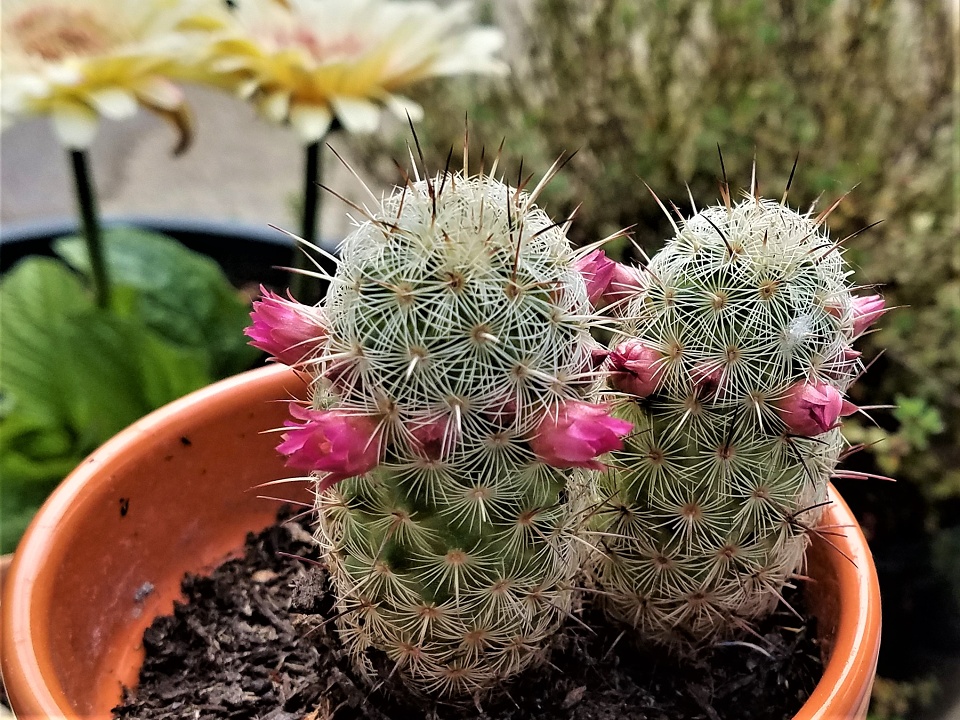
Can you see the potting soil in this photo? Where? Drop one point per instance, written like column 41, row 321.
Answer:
column 257, row 640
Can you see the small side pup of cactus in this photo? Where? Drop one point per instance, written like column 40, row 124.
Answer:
column 453, row 372
column 732, row 361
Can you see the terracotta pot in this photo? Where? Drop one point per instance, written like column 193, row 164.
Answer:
column 172, row 494
column 105, row 555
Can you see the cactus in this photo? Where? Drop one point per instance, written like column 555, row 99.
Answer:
column 731, row 362
column 449, row 418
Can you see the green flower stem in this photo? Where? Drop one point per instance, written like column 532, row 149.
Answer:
column 90, row 220
column 312, row 177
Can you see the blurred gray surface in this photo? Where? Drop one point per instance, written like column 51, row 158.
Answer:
column 239, row 168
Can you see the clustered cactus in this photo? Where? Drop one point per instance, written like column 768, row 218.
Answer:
column 732, row 362
column 453, row 367
column 455, row 436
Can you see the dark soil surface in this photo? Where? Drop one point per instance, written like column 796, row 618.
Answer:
column 255, row 641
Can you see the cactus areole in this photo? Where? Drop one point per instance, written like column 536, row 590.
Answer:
column 747, row 318
column 457, row 332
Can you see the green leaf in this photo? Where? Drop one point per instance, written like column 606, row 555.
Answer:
column 182, row 295
column 33, row 459
column 123, row 370
column 37, row 300
column 71, row 376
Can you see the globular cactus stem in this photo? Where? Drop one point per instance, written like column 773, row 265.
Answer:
column 452, row 414
column 732, row 361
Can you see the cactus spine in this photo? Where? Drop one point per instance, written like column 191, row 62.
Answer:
column 457, row 318
column 709, row 507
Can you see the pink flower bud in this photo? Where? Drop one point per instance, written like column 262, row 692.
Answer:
column 289, row 331
column 866, row 310
column 598, row 356
column 502, row 409
column 636, row 368
column 597, row 270
column 707, row 378
column 625, row 283
column 810, row 409
column 576, row 434
column 848, row 408
column 331, row 441
column 434, row 438
column 843, row 365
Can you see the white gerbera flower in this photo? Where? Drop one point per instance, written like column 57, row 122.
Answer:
column 76, row 60
column 306, row 62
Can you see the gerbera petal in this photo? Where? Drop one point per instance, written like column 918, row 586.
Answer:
column 276, row 106
column 356, row 115
column 75, row 125
column 85, row 58
column 475, row 55
column 403, row 106
column 180, row 118
column 310, row 121
column 114, row 103
column 159, row 92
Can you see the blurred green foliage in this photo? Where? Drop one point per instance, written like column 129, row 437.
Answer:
column 901, row 700
column 866, row 91
column 72, row 375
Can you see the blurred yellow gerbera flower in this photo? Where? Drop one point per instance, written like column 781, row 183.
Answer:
column 307, row 62
column 76, row 60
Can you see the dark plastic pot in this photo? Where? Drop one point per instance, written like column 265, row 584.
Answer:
column 247, row 253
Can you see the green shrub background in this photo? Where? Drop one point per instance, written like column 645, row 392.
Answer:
column 866, row 91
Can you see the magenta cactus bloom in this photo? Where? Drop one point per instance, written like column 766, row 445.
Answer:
column 636, row 368
column 289, row 331
column 810, row 409
column 866, row 310
column 331, row 441
column 597, row 270
column 577, row 434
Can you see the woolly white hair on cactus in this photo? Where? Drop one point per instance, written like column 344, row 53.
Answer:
column 452, row 420
column 732, row 360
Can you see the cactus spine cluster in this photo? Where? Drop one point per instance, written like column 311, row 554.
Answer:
column 457, row 318
column 708, row 509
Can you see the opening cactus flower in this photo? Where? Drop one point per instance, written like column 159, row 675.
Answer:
column 636, row 368
column 810, row 409
column 77, row 60
column 289, row 331
column 577, row 434
column 331, row 441
column 306, row 62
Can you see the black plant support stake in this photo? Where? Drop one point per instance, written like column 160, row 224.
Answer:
column 312, row 178
column 90, row 222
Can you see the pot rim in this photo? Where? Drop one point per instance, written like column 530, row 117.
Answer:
column 841, row 692
column 26, row 230
column 856, row 648
column 27, row 669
